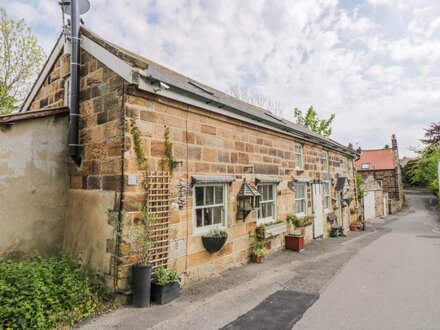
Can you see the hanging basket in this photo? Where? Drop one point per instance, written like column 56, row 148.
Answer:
column 213, row 243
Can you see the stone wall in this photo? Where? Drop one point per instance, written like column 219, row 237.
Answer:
column 378, row 199
column 389, row 179
column 211, row 144
column 33, row 185
column 96, row 184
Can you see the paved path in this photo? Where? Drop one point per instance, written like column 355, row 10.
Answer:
column 245, row 296
column 393, row 283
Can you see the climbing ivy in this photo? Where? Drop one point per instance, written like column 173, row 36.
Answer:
column 169, row 160
column 140, row 155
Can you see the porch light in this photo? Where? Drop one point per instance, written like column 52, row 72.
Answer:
column 248, row 199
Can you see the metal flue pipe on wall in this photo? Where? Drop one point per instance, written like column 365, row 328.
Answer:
column 74, row 147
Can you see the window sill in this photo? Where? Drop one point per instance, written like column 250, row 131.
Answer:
column 265, row 220
column 207, row 229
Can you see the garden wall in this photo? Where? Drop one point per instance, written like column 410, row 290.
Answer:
column 33, row 182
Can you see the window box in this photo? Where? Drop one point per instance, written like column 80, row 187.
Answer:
column 272, row 230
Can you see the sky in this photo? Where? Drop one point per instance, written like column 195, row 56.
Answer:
column 375, row 64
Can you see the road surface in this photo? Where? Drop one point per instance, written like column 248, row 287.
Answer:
column 393, row 283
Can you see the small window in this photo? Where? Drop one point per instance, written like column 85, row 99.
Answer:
column 67, row 89
column 365, row 166
column 324, row 161
column 300, row 198
column 327, row 200
column 299, row 157
column 209, row 206
column 380, row 182
column 267, row 210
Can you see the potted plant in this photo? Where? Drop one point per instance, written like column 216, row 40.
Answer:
column 258, row 252
column 215, row 240
column 165, row 285
column 295, row 241
column 142, row 242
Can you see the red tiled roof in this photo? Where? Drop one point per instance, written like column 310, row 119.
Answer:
column 382, row 159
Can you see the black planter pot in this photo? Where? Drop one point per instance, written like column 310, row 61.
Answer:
column 141, row 285
column 163, row 294
column 213, row 243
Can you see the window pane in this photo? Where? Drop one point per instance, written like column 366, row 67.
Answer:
column 270, row 190
column 218, row 194
column 209, row 198
column 264, row 209
column 217, row 214
column 269, row 210
column 297, row 206
column 199, row 217
column 199, row 196
column 207, row 216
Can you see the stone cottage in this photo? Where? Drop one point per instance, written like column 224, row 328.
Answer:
column 384, row 166
column 149, row 134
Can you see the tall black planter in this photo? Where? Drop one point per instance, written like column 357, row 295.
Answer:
column 141, row 285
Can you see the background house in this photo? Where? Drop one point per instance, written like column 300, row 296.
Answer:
column 199, row 145
column 384, row 166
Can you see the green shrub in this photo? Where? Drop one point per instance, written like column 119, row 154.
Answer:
column 165, row 276
column 45, row 293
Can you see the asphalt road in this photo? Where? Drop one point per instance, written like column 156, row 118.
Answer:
column 393, row 283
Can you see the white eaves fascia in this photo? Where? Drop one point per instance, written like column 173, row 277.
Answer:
column 56, row 51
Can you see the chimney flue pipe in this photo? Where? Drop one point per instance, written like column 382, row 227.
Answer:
column 74, row 147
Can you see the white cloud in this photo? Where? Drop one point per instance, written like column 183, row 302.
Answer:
column 374, row 64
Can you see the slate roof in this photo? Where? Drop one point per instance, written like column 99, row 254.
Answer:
column 155, row 71
column 381, row 159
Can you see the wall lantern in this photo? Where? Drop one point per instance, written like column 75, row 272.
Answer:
column 248, row 199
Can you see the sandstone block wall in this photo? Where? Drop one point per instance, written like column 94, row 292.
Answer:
column 211, row 144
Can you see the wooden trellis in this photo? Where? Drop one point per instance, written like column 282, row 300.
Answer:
column 158, row 197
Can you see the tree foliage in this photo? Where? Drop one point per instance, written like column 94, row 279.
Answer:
column 432, row 134
column 311, row 120
column 425, row 171
column 21, row 58
column 262, row 101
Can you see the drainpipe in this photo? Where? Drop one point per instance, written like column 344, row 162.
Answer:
column 74, row 147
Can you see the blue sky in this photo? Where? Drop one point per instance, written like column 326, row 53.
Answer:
column 373, row 63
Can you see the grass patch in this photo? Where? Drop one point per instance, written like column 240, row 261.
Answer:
column 47, row 293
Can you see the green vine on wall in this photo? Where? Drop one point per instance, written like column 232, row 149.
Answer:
column 140, row 155
column 169, row 160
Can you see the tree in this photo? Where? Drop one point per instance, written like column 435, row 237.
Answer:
column 311, row 120
column 262, row 101
column 21, row 58
column 432, row 134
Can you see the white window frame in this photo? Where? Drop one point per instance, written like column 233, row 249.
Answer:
column 327, row 197
column 67, row 90
column 305, row 198
column 363, row 167
column 324, row 157
column 301, row 155
column 205, row 229
column 273, row 201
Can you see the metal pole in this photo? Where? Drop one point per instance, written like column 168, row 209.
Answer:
column 74, row 146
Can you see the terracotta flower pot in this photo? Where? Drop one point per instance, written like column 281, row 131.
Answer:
column 353, row 227
column 258, row 259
